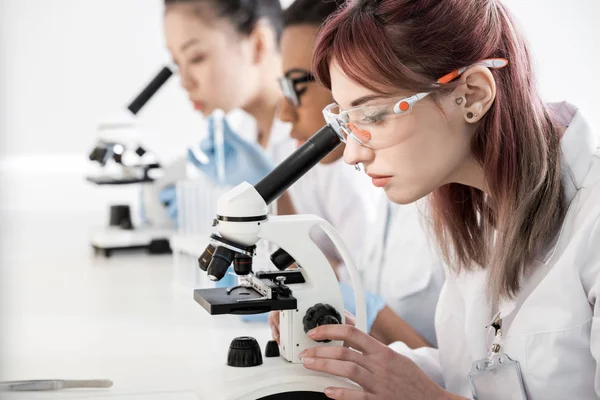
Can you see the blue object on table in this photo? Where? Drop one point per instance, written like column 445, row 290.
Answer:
column 243, row 162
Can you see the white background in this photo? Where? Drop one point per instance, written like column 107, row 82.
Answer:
column 67, row 63
column 63, row 65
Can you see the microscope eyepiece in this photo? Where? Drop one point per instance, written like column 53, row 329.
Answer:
column 298, row 163
column 221, row 260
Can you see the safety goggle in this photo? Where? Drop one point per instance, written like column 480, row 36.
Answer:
column 372, row 126
column 290, row 82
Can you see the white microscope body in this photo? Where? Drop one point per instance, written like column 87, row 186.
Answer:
column 311, row 299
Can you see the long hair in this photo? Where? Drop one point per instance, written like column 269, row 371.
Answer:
column 389, row 45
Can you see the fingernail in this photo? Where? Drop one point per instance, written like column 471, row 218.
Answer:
column 312, row 333
column 302, row 354
column 308, row 360
column 330, row 393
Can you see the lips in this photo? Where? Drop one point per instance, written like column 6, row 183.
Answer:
column 199, row 106
column 380, row 180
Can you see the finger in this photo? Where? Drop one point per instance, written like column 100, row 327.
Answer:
column 350, row 319
column 345, row 394
column 274, row 324
column 349, row 334
column 344, row 369
column 342, row 354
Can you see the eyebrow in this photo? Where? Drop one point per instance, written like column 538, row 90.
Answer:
column 189, row 43
column 362, row 100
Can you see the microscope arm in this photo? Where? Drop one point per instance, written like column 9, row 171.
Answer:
column 359, row 296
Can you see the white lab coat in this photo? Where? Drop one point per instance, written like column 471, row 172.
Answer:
column 553, row 327
column 334, row 192
column 401, row 263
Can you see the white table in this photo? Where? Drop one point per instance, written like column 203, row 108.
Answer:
column 67, row 314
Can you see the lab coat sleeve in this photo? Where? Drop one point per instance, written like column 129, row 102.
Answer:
column 591, row 279
column 426, row 358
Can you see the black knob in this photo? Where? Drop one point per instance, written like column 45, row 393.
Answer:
column 272, row 349
column 221, row 260
column 281, row 259
column 244, row 352
column 118, row 157
column 320, row 314
column 120, row 215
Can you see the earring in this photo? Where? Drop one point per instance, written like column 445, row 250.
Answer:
column 471, row 115
column 357, row 167
column 459, row 101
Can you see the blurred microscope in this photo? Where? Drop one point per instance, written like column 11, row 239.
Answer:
column 122, row 160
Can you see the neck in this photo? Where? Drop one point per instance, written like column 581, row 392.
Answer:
column 471, row 174
column 264, row 106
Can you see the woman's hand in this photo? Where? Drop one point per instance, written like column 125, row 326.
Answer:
column 382, row 373
column 274, row 323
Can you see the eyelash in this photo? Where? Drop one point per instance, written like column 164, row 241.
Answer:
column 301, row 91
column 375, row 118
column 197, row 59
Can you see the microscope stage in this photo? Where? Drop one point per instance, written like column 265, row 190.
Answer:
column 110, row 180
column 240, row 301
column 111, row 239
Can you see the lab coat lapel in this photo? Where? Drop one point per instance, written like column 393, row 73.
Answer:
column 478, row 311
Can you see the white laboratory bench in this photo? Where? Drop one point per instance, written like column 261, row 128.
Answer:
column 67, row 314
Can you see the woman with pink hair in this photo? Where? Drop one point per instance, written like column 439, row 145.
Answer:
column 437, row 100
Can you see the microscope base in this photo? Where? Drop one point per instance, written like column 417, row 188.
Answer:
column 113, row 239
column 275, row 379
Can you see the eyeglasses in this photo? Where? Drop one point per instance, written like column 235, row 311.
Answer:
column 290, row 84
column 375, row 126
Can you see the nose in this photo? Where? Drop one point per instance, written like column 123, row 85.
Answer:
column 287, row 111
column 354, row 153
column 185, row 80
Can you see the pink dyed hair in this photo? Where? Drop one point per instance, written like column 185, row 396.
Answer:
column 392, row 45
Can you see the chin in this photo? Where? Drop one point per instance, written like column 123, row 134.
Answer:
column 402, row 195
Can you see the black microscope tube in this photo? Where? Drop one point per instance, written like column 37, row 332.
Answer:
column 297, row 164
column 149, row 91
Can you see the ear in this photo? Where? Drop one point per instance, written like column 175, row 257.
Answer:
column 263, row 41
column 478, row 89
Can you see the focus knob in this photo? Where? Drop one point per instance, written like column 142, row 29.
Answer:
column 272, row 349
column 244, row 352
column 320, row 314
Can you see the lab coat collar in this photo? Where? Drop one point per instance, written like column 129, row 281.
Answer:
column 578, row 146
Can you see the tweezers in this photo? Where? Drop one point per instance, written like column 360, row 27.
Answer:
column 53, row 384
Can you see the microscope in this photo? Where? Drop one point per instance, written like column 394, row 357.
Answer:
column 123, row 161
column 303, row 287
